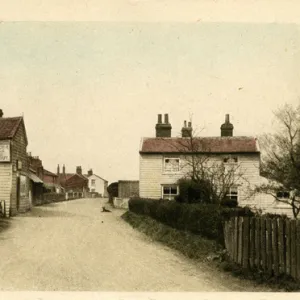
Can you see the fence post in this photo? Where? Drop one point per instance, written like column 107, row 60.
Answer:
column 246, row 238
column 275, row 246
column 257, row 242
column 288, row 246
column 232, row 248
column 281, row 246
column 293, row 249
column 252, row 242
column 263, row 244
column 240, row 241
column 236, row 239
column 298, row 248
column 269, row 246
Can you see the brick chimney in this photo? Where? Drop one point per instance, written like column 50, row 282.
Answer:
column 227, row 127
column 58, row 170
column 1, row 113
column 64, row 169
column 186, row 130
column 163, row 129
column 79, row 170
column 90, row 172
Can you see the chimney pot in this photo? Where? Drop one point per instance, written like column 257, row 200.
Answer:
column 227, row 127
column 227, row 118
column 163, row 129
column 186, row 131
column 159, row 121
column 166, row 119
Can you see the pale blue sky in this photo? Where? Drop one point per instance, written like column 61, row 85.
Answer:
column 90, row 90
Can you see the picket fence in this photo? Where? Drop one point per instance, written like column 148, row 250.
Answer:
column 271, row 245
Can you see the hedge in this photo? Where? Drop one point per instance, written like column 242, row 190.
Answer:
column 203, row 219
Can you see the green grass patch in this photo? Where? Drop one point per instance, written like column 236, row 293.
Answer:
column 199, row 248
column 189, row 244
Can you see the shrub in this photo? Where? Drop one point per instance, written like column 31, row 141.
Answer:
column 194, row 191
column 204, row 219
column 112, row 190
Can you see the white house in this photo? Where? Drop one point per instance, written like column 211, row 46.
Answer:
column 162, row 163
column 97, row 185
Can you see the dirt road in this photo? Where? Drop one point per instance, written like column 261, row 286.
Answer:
column 72, row 246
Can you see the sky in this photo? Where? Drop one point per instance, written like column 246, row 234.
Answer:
column 89, row 91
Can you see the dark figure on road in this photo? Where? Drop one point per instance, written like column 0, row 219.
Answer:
column 105, row 210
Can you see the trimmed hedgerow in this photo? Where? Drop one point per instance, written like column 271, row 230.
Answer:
column 203, row 219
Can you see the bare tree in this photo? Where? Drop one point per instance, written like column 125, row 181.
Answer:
column 280, row 161
column 200, row 165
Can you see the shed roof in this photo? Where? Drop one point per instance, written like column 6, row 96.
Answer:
column 220, row 145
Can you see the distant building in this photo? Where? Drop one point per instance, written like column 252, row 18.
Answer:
column 14, row 168
column 74, row 184
column 128, row 188
column 97, row 185
column 42, row 181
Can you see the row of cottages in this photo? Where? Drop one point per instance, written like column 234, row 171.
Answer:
column 82, row 185
column 162, row 163
column 41, row 181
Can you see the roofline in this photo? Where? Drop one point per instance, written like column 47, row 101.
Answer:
column 97, row 176
column 21, row 121
column 141, row 144
column 51, row 172
column 207, row 152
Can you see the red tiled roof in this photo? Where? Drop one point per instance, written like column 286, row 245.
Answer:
column 9, row 127
column 239, row 144
column 46, row 172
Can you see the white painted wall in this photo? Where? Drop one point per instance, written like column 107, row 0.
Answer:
column 99, row 186
column 5, row 184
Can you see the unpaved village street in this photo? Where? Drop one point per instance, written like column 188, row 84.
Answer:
column 72, row 246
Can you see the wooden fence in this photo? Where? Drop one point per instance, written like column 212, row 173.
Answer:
column 272, row 245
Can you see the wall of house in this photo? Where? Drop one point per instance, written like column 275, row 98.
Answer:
column 18, row 146
column 49, row 179
column 76, row 183
column 128, row 188
column 152, row 175
column 100, row 185
column 5, row 184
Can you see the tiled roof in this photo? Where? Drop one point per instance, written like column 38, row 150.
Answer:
column 87, row 176
column 46, row 172
column 9, row 127
column 236, row 144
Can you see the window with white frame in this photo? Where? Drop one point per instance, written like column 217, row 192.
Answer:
column 170, row 191
column 93, row 182
column 232, row 193
column 171, row 164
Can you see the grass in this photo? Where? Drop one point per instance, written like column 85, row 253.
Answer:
column 191, row 245
column 196, row 247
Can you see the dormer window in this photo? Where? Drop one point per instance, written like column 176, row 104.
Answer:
column 171, row 165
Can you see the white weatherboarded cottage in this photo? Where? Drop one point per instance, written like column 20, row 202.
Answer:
column 162, row 164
